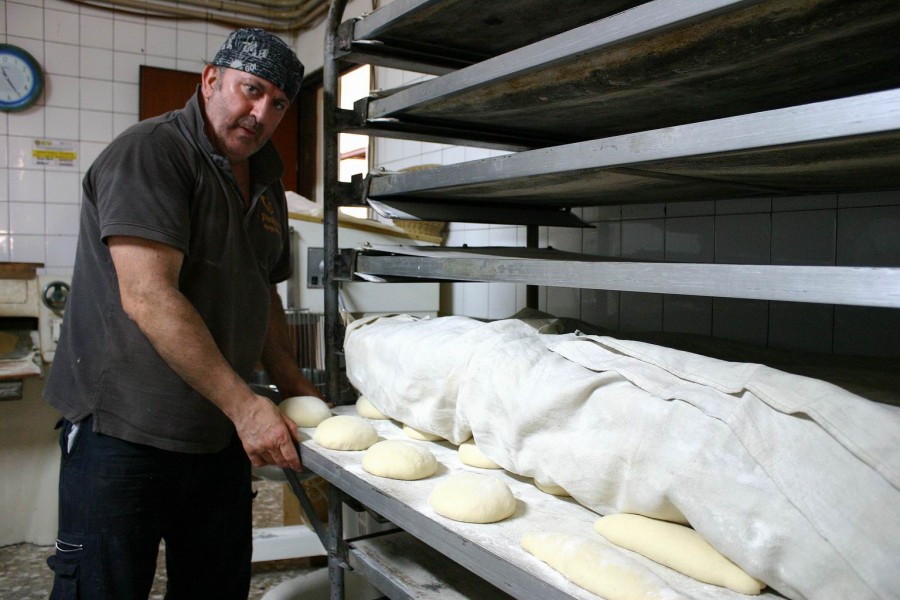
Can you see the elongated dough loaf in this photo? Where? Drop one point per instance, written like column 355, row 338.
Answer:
column 677, row 547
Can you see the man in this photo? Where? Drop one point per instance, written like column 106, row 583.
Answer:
column 183, row 237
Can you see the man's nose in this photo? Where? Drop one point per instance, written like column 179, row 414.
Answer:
column 262, row 111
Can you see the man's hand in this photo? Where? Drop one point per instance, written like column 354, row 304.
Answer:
column 268, row 435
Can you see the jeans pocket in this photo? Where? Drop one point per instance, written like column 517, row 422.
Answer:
column 69, row 566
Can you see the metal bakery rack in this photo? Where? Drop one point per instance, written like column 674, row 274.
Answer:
column 611, row 102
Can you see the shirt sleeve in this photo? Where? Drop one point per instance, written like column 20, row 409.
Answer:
column 143, row 185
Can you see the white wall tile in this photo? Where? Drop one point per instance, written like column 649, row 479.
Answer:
column 191, row 25
column 60, row 59
column 743, row 238
column 696, row 208
column 62, row 187
column 127, row 66
column 128, row 36
column 798, row 203
column 804, row 237
column 26, row 218
column 644, row 239
column 96, row 126
column 62, row 123
column 19, row 152
column 4, row 190
column 640, row 312
column 26, row 186
column 4, row 217
column 801, row 326
column 740, row 206
column 29, row 122
column 189, row 65
column 96, row 95
column 62, row 219
column 564, row 302
column 60, row 26
column 687, row 314
column 600, row 308
column 690, row 239
column 60, row 251
column 162, row 41
column 96, row 63
column 126, row 97
column 96, row 31
column 476, row 299
column 161, row 62
column 501, row 300
column 452, row 155
column 741, row 320
column 503, row 235
column 60, row 5
column 643, row 211
column 62, row 91
column 27, row 248
column 866, row 331
column 26, row 21
column 869, row 199
column 192, row 47
column 869, row 236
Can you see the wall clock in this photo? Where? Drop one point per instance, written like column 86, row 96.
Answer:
column 21, row 80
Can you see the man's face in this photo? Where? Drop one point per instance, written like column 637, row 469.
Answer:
column 241, row 109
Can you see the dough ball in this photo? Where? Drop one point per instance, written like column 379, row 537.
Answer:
column 473, row 498
column 305, row 411
column 677, row 547
column 599, row 569
column 367, row 409
column 471, row 455
column 550, row 488
column 422, row 436
column 345, row 432
column 399, row 459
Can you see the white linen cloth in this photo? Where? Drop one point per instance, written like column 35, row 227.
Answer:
column 793, row 479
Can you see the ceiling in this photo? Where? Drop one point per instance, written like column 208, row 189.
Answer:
column 290, row 16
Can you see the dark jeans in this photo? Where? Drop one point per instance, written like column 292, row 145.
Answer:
column 117, row 500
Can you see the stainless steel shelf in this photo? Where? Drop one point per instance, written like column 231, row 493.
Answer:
column 860, row 286
column 844, row 145
column 404, row 568
column 659, row 64
column 437, row 36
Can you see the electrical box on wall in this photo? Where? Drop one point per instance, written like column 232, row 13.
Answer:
column 315, row 268
column 305, row 289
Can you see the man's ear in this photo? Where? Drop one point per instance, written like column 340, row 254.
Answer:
column 208, row 78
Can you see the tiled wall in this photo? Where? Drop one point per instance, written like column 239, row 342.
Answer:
column 846, row 230
column 91, row 61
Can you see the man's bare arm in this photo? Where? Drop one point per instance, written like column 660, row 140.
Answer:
column 148, row 284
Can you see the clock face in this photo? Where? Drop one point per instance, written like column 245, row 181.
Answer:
column 21, row 81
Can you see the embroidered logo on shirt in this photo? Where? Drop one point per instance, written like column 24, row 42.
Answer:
column 267, row 215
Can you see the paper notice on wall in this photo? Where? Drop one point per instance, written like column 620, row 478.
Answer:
column 54, row 153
